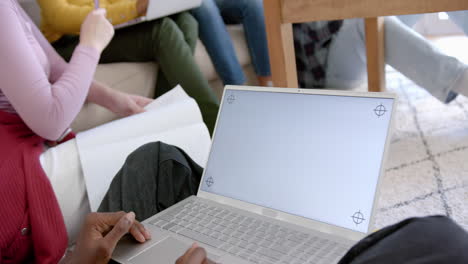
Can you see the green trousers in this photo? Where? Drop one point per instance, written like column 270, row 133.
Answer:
column 168, row 41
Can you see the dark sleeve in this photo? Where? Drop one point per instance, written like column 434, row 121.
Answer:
column 435, row 239
column 153, row 178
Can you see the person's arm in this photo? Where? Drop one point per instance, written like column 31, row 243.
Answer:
column 66, row 17
column 122, row 104
column 102, row 231
column 57, row 63
column 100, row 234
column 119, row 103
column 47, row 108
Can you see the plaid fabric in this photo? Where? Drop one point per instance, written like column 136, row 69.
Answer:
column 312, row 41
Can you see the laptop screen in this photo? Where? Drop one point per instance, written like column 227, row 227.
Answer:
column 315, row 156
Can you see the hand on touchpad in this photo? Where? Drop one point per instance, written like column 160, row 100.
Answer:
column 166, row 251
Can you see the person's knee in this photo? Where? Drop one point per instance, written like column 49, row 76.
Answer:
column 167, row 29
column 250, row 7
column 390, row 20
column 206, row 8
column 188, row 25
column 163, row 31
column 168, row 24
column 187, row 18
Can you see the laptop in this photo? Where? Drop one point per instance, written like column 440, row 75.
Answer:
column 293, row 176
column 161, row 8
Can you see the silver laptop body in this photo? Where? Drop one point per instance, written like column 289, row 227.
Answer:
column 293, row 177
column 161, row 8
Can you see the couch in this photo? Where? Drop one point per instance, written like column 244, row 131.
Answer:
column 140, row 78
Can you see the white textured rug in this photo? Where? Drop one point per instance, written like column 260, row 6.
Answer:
column 427, row 167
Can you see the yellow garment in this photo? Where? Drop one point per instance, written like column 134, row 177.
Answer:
column 60, row 17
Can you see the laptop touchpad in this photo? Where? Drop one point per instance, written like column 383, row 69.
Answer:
column 166, row 251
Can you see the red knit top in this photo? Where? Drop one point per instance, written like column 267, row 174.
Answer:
column 32, row 227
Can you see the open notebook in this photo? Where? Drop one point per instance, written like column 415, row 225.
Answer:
column 174, row 118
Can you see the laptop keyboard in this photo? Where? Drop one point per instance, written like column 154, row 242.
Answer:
column 249, row 238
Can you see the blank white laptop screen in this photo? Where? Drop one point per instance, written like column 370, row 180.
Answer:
column 315, row 156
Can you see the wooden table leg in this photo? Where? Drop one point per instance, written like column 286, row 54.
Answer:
column 280, row 46
column 375, row 53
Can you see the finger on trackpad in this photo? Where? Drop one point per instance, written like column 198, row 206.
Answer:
column 166, row 251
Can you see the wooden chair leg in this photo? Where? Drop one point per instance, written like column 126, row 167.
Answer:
column 375, row 53
column 280, row 46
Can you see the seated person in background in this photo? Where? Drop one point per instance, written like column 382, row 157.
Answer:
column 332, row 54
column 168, row 41
column 218, row 43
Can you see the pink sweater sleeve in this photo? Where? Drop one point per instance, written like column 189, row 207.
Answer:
column 47, row 107
column 57, row 63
